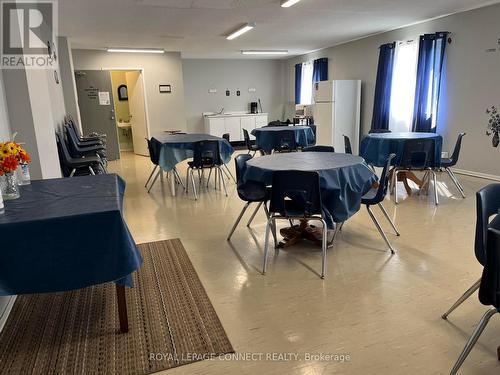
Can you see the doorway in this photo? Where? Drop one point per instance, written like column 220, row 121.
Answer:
column 113, row 102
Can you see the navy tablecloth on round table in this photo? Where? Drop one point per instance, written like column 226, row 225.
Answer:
column 343, row 178
column 269, row 138
column 174, row 148
column 65, row 234
column 376, row 148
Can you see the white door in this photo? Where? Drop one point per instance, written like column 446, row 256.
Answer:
column 247, row 123
column 233, row 127
column 137, row 109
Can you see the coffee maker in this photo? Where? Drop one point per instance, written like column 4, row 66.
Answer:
column 254, row 107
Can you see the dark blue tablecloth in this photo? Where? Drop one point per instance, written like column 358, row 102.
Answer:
column 343, row 178
column 65, row 234
column 376, row 148
column 269, row 138
column 174, row 148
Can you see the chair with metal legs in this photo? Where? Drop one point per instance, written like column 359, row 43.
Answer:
column 154, row 156
column 376, row 196
column 418, row 155
column 296, row 195
column 206, row 155
column 489, row 292
column 250, row 192
column 447, row 163
column 487, row 205
column 251, row 147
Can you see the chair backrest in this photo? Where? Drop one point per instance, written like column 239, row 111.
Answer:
column 226, row 136
column 489, row 290
column 383, row 182
column 378, row 131
column 347, row 145
column 247, row 138
column 154, row 155
column 241, row 166
column 487, row 205
column 287, row 139
column 71, row 123
column 456, row 151
column 296, row 193
column 72, row 138
column 318, row 149
column 206, row 153
column 418, row 154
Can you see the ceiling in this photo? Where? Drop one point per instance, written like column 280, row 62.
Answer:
column 197, row 28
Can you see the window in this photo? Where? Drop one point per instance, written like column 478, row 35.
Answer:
column 306, row 89
column 403, row 86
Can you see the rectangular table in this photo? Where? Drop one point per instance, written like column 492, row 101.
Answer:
column 65, row 234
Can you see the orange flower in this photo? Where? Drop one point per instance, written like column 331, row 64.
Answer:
column 9, row 164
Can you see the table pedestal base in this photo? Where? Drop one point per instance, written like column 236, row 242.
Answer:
column 295, row 234
column 122, row 308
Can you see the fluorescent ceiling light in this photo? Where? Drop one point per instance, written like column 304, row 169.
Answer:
column 240, row 31
column 263, row 52
column 136, row 50
column 288, row 3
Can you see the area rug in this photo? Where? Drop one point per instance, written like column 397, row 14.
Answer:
column 171, row 320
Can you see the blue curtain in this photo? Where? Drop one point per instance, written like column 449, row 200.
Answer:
column 320, row 70
column 382, row 100
column 429, row 71
column 298, row 82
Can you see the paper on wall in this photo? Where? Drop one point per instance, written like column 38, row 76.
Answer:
column 104, row 98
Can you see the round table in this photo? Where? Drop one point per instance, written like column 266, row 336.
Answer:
column 344, row 178
column 269, row 138
column 376, row 147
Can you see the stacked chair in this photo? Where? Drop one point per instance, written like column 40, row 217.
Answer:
column 77, row 166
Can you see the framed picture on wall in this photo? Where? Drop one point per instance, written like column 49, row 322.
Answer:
column 165, row 89
column 122, row 92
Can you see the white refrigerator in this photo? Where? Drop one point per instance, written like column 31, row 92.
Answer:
column 337, row 111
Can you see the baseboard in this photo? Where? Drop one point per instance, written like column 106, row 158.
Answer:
column 5, row 311
column 477, row 174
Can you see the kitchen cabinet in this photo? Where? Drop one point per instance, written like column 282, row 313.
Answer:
column 233, row 124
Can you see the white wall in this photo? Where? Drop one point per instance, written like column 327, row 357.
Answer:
column 165, row 111
column 472, row 79
column 4, row 118
column 266, row 76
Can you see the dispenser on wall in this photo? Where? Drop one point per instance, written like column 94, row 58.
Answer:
column 254, row 107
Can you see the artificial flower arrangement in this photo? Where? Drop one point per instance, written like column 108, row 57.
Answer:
column 11, row 156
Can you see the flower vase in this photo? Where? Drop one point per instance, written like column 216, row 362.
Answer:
column 10, row 188
column 495, row 140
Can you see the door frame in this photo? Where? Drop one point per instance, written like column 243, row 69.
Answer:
column 146, row 107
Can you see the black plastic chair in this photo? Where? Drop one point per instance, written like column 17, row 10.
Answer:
column 489, row 292
column 89, row 138
column 379, row 131
column 249, row 192
column 154, row 156
column 206, row 155
column 376, row 196
column 287, row 142
column 251, row 147
column 447, row 163
column 318, row 149
column 296, row 195
column 226, row 136
column 80, row 149
column 227, row 171
column 347, row 145
column 80, row 166
column 418, row 155
column 487, row 205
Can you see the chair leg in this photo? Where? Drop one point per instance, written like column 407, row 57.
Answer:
column 395, row 177
column 266, row 244
column 268, row 215
column 91, row 171
column 253, row 215
column 324, row 246
column 178, row 178
column 194, row 185
column 473, row 339
column 72, row 172
column 209, row 175
column 151, row 175
column 154, row 180
column 455, row 181
column 230, row 173
column 382, row 208
column 222, row 179
column 434, row 178
column 381, row 231
column 461, row 300
column 238, row 220
column 187, row 180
